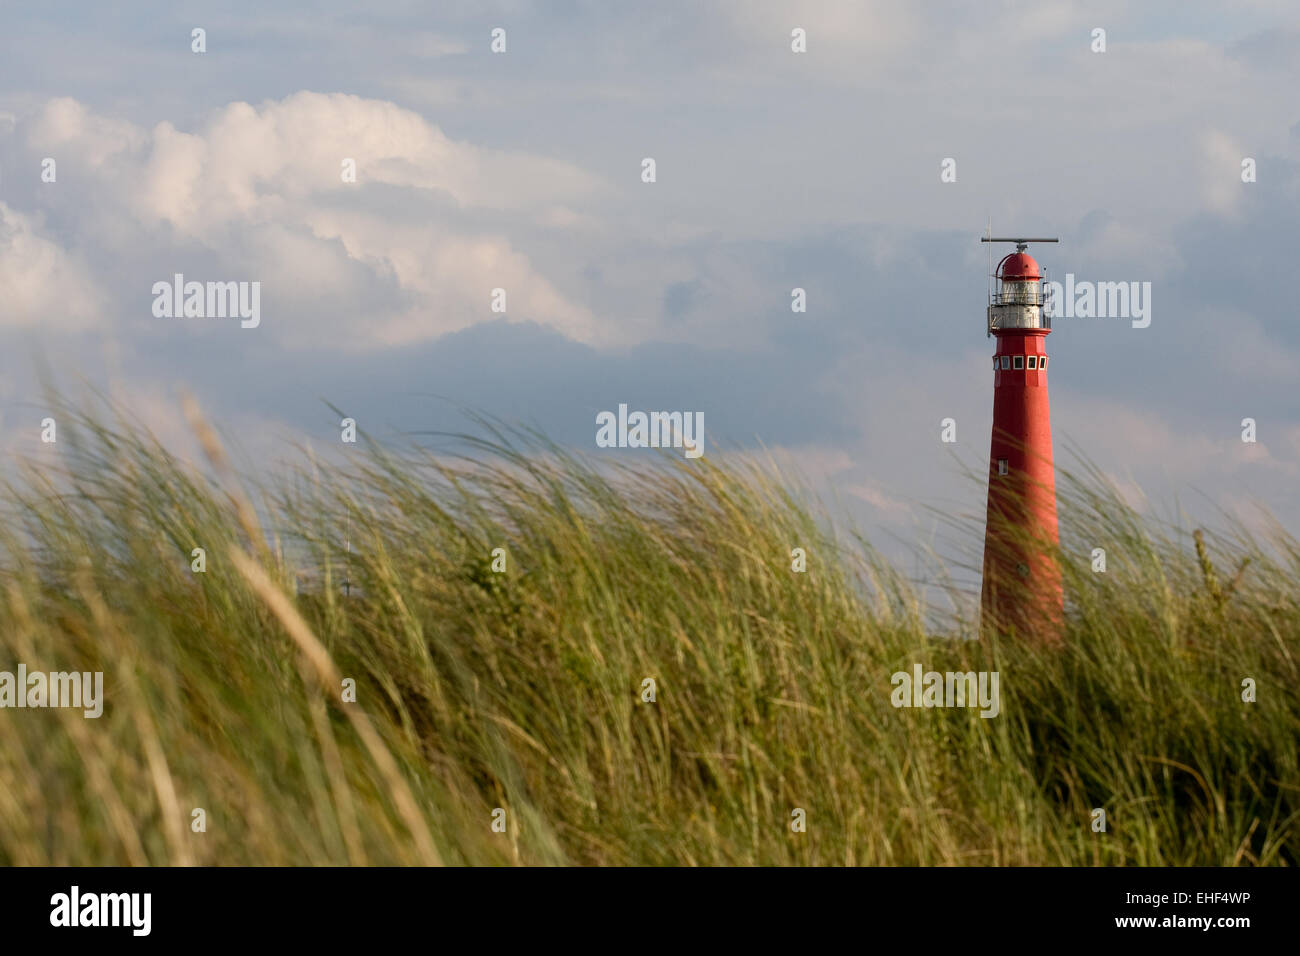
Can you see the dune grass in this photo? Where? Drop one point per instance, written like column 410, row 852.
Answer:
column 522, row 690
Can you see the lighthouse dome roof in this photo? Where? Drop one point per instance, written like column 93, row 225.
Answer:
column 1018, row 267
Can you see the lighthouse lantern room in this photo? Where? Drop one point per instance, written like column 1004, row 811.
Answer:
column 1017, row 299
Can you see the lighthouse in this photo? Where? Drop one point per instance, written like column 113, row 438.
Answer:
column 1021, row 591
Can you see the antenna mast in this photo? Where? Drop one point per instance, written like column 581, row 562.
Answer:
column 1021, row 244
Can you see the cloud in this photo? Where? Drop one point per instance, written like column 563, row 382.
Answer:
column 251, row 161
column 65, row 125
column 40, row 282
column 1220, row 168
column 406, row 253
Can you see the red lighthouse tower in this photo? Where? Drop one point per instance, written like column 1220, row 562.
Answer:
column 1022, row 581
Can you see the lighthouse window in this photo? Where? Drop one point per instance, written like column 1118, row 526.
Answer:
column 1033, row 361
column 995, row 362
column 1004, row 466
column 1018, row 362
column 1006, row 361
column 1043, row 362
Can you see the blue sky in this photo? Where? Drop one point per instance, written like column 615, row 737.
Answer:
column 775, row 170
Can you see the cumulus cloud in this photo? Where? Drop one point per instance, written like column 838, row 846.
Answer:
column 42, row 284
column 261, row 189
column 250, row 160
